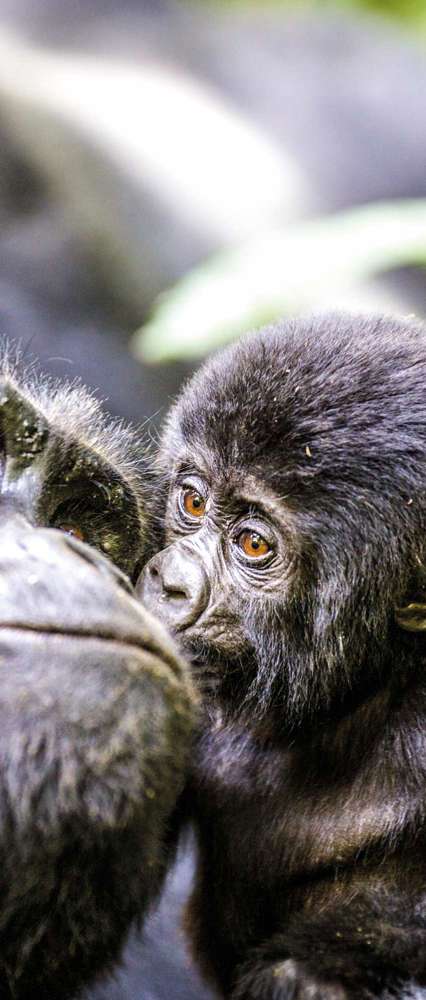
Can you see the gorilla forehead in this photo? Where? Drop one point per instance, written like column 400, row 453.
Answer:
column 313, row 397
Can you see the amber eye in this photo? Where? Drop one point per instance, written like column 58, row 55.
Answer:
column 253, row 544
column 73, row 530
column 193, row 502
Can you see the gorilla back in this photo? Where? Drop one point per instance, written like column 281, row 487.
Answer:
column 294, row 575
column 95, row 706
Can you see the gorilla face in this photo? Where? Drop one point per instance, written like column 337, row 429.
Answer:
column 295, row 464
column 95, row 705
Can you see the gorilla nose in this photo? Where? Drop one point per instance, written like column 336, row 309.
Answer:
column 174, row 587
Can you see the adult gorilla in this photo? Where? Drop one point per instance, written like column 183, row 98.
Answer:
column 95, row 706
column 295, row 551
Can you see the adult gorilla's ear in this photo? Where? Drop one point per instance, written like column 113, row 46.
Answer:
column 412, row 615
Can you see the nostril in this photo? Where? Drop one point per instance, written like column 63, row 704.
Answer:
column 168, row 590
column 175, row 595
column 174, row 587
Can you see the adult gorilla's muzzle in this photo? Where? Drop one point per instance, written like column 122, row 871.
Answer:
column 95, row 722
column 81, row 662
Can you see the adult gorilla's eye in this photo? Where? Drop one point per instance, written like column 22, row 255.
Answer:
column 192, row 502
column 72, row 529
column 252, row 544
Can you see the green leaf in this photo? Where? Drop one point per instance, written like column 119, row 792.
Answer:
column 279, row 273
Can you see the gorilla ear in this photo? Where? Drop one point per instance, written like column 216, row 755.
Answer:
column 412, row 615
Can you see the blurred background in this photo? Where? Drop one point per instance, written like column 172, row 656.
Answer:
column 172, row 173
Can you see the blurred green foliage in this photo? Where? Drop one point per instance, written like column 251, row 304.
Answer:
column 412, row 12
column 307, row 266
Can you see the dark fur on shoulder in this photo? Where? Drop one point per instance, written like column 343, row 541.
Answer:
column 306, row 443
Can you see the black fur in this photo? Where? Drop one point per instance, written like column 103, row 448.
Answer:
column 308, row 776
column 95, row 705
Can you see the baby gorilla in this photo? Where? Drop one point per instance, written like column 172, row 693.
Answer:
column 95, row 706
column 294, row 576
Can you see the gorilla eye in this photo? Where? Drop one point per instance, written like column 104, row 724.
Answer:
column 253, row 545
column 73, row 530
column 192, row 502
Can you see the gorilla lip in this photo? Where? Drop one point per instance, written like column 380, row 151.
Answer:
column 74, row 634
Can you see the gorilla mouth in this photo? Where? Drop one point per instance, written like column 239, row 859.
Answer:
column 82, row 634
column 214, row 672
column 201, row 654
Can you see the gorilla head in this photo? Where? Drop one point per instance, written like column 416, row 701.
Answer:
column 95, row 706
column 296, row 515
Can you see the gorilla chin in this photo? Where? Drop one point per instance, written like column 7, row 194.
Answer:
column 295, row 551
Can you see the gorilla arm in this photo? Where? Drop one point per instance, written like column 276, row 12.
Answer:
column 95, row 705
